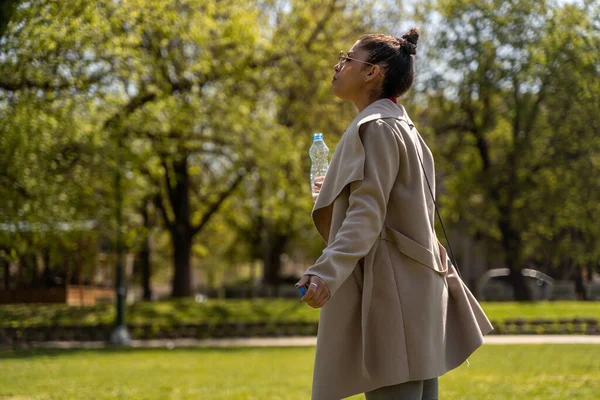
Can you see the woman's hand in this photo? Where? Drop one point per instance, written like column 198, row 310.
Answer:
column 317, row 293
column 318, row 184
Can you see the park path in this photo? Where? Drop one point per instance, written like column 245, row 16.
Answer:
column 303, row 341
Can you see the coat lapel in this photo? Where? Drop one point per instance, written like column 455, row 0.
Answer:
column 347, row 163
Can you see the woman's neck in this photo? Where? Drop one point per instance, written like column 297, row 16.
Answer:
column 368, row 99
column 364, row 101
column 361, row 105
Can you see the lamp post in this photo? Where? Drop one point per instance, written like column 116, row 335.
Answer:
column 120, row 335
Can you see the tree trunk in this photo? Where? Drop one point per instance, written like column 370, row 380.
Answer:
column 77, row 270
column 181, row 230
column 511, row 242
column 517, row 281
column 182, row 249
column 177, row 182
column 145, row 269
column 68, row 271
column 273, row 247
column 581, row 283
column 6, row 274
column 144, row 255
column 47, row 272
column 20, row 273
column 27, row 262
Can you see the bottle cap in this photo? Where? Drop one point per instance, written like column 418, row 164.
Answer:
column 317, row 136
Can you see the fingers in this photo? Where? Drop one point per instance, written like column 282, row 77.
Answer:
column 317, row 294
column 321, row 300
column 310, row 294
column 318, row 300
column 318, row 183
column 303, row 281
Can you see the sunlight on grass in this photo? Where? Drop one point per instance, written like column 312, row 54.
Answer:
column 548, row 372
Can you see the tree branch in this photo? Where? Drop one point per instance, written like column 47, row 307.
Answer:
column 8, row 179
column 276, row 57
column 321, row 25
column 213, row 208
column 158, row 200
column 134, row 104
column 24, row 83
column 168, row 182
column 7, row 9
column 536, row 106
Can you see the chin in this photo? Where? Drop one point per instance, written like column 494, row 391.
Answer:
column 338, row 93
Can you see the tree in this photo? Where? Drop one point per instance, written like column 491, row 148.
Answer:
column 493, row 110
column 150, row 77
column 193, row 160
column 298, row 88
column 7, row 9
column 54, row 169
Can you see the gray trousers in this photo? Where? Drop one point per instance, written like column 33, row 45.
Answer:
column 413, row 390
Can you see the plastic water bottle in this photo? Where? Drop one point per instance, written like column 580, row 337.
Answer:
column 319, row 155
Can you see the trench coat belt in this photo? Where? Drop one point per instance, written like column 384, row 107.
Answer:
column 410, row 249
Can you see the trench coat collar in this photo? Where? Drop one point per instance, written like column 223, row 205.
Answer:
column 347, row 163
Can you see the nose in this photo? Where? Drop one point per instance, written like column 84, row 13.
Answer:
column 337, row 67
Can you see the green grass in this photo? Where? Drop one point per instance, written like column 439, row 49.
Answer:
column 548, row 372
column 213, row 311
column 545, row 309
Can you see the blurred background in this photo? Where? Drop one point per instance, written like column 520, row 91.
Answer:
column 161, row 148
column 185, row 126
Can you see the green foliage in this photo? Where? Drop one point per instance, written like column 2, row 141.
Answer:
column 7, row 8
column 512, row 103
column 168, row 313
column 206, row 108
column 54, row 167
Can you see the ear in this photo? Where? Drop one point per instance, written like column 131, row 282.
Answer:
column 373, row 73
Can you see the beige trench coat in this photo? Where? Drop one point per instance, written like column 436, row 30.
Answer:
column 398, row 311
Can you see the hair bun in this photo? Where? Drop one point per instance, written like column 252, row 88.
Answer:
column 409, row 40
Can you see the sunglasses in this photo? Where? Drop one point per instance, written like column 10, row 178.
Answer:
column 343, row 58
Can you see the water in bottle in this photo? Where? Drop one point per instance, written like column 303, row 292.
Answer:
column 319, row 155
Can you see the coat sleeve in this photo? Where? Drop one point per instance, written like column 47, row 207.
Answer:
column 367, row 206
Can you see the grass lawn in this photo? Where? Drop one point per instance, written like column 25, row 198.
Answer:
column 548, row 372
column 263, row 310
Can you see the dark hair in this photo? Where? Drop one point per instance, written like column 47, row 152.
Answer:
column 397, row 55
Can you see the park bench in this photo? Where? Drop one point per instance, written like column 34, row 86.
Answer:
column 593, row 291
column 563, row 290
column 497, row 291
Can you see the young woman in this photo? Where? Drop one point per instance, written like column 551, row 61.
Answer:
column 395, row 313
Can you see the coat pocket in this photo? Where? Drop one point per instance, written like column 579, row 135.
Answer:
column 413, row 249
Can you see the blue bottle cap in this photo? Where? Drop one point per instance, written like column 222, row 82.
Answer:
column 317, row 136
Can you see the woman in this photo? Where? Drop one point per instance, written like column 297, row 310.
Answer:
column 395, row 314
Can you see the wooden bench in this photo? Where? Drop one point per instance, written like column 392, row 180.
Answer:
column 73, row 295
